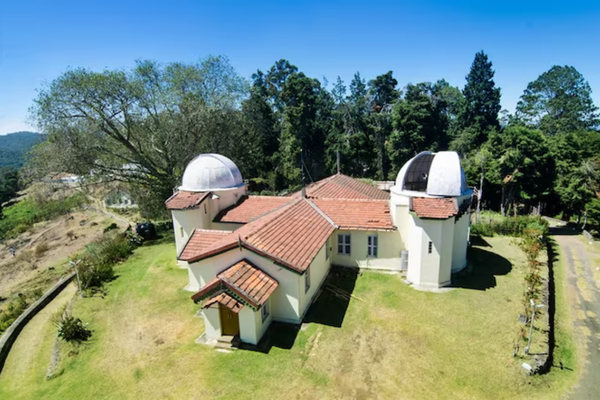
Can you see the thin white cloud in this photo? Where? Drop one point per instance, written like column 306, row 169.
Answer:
column 8, row 125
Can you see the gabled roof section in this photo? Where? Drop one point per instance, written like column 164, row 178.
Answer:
column 201, row 240
column 358, row 214
column 183, row 200
column 242, row 283
column 291, row 236
column 433, row 208
column 250, row 208
column 340, row 186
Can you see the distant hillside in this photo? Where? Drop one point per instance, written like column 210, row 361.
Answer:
column 14, row 146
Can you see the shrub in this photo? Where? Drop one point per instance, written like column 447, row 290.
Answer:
column 12, row 312
column 111, row 227
column 71, row 329
column 510, row 226
column 40, row 249
column 26, row 256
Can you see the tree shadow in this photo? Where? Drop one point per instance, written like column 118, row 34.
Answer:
column 481, row 272
column 568, row 230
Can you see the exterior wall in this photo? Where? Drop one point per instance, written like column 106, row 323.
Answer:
column 461, row 240
column 224, row 226
column 435, row 267
column 252, row 327
column 212, row 321
column 284, row 301
column 226, row 198
column 318, row 271
column 189, row 220
column 390, row 246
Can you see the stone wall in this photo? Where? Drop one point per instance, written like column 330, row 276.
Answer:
column 11, row 334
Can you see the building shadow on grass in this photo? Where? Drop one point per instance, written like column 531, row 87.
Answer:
column 329, row 309
column 483, row 267
column 331, row 305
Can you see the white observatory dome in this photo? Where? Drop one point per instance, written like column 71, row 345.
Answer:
column 211, row 172
column 436, row 174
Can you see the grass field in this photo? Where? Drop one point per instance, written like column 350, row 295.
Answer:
column 393, row 343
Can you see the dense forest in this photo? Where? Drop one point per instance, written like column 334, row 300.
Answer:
column 14, row 146
column 145, row 124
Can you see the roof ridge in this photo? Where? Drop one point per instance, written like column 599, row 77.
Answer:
column 213, row 230
column 356, row 200
column 322, row 213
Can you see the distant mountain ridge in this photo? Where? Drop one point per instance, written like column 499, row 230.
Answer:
column 14, row 146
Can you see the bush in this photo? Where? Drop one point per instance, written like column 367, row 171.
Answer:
column 111, row 227
column 40, row 249
column 96, row 265
column 26, row 256
column 511, row 226
column 12, row 312
column 71, row 329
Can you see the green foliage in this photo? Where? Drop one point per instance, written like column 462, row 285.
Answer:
column 96, row 264
column 71, row 329
column 478, row 115
column 559, row 101
column 16, row 307
column 21, row 216
column 14, row 146
column 510, row 226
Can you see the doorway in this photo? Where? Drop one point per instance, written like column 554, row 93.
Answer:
column 230, row 322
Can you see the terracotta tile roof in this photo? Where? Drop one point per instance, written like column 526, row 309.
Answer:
column 292, row 236
column 340, row 186
column 226, row 300
column 357, row 214
column 201, row 240
column 242, row 283
column 250, row 208
column 183, row 200
column 434, row 208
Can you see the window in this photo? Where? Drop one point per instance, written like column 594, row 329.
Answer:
column 430, row 248
column 181, row 231
column 372, row 246
column 204, row 208
column 327, row 250
column 264, row 311
column 307, row 280
column 344, row 244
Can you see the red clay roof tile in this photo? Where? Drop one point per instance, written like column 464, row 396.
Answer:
column 357, row 214
column 252, row 207
column 340, row 186
column 201, row 240
column 433, row 208
column 183, row 200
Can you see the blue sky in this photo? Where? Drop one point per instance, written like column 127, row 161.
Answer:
column 419, row 41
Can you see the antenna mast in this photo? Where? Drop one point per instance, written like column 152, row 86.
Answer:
column 302, row 168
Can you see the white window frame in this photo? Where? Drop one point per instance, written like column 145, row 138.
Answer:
column 372, row 246
column 345, row 244
column 181, row 231
column 307, row 280
column 264, row 311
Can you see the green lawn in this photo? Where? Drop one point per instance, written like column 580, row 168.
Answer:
column 395, row 343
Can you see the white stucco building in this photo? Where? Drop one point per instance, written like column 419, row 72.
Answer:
column 255, row 259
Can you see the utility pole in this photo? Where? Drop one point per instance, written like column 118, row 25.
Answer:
column 74, row 264
column 302, row 168
column 531, row 327
column 338, row 161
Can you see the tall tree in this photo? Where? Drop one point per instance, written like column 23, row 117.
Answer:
column 304, row 127
column 140, row 126
column 383, row 94
column 479, row 114
column 559, row 101
column 418, row 123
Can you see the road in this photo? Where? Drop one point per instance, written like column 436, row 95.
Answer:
column 584, row 292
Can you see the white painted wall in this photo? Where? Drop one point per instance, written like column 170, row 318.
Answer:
column 318, row 271
column 186, row 221
column 435, row 267
column 223, row 226
column 252, row 327
column 212, row 322
column 285, row 299
column 390, row 246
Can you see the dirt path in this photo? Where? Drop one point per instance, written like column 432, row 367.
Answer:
column 32, row 346
column 584, row 293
